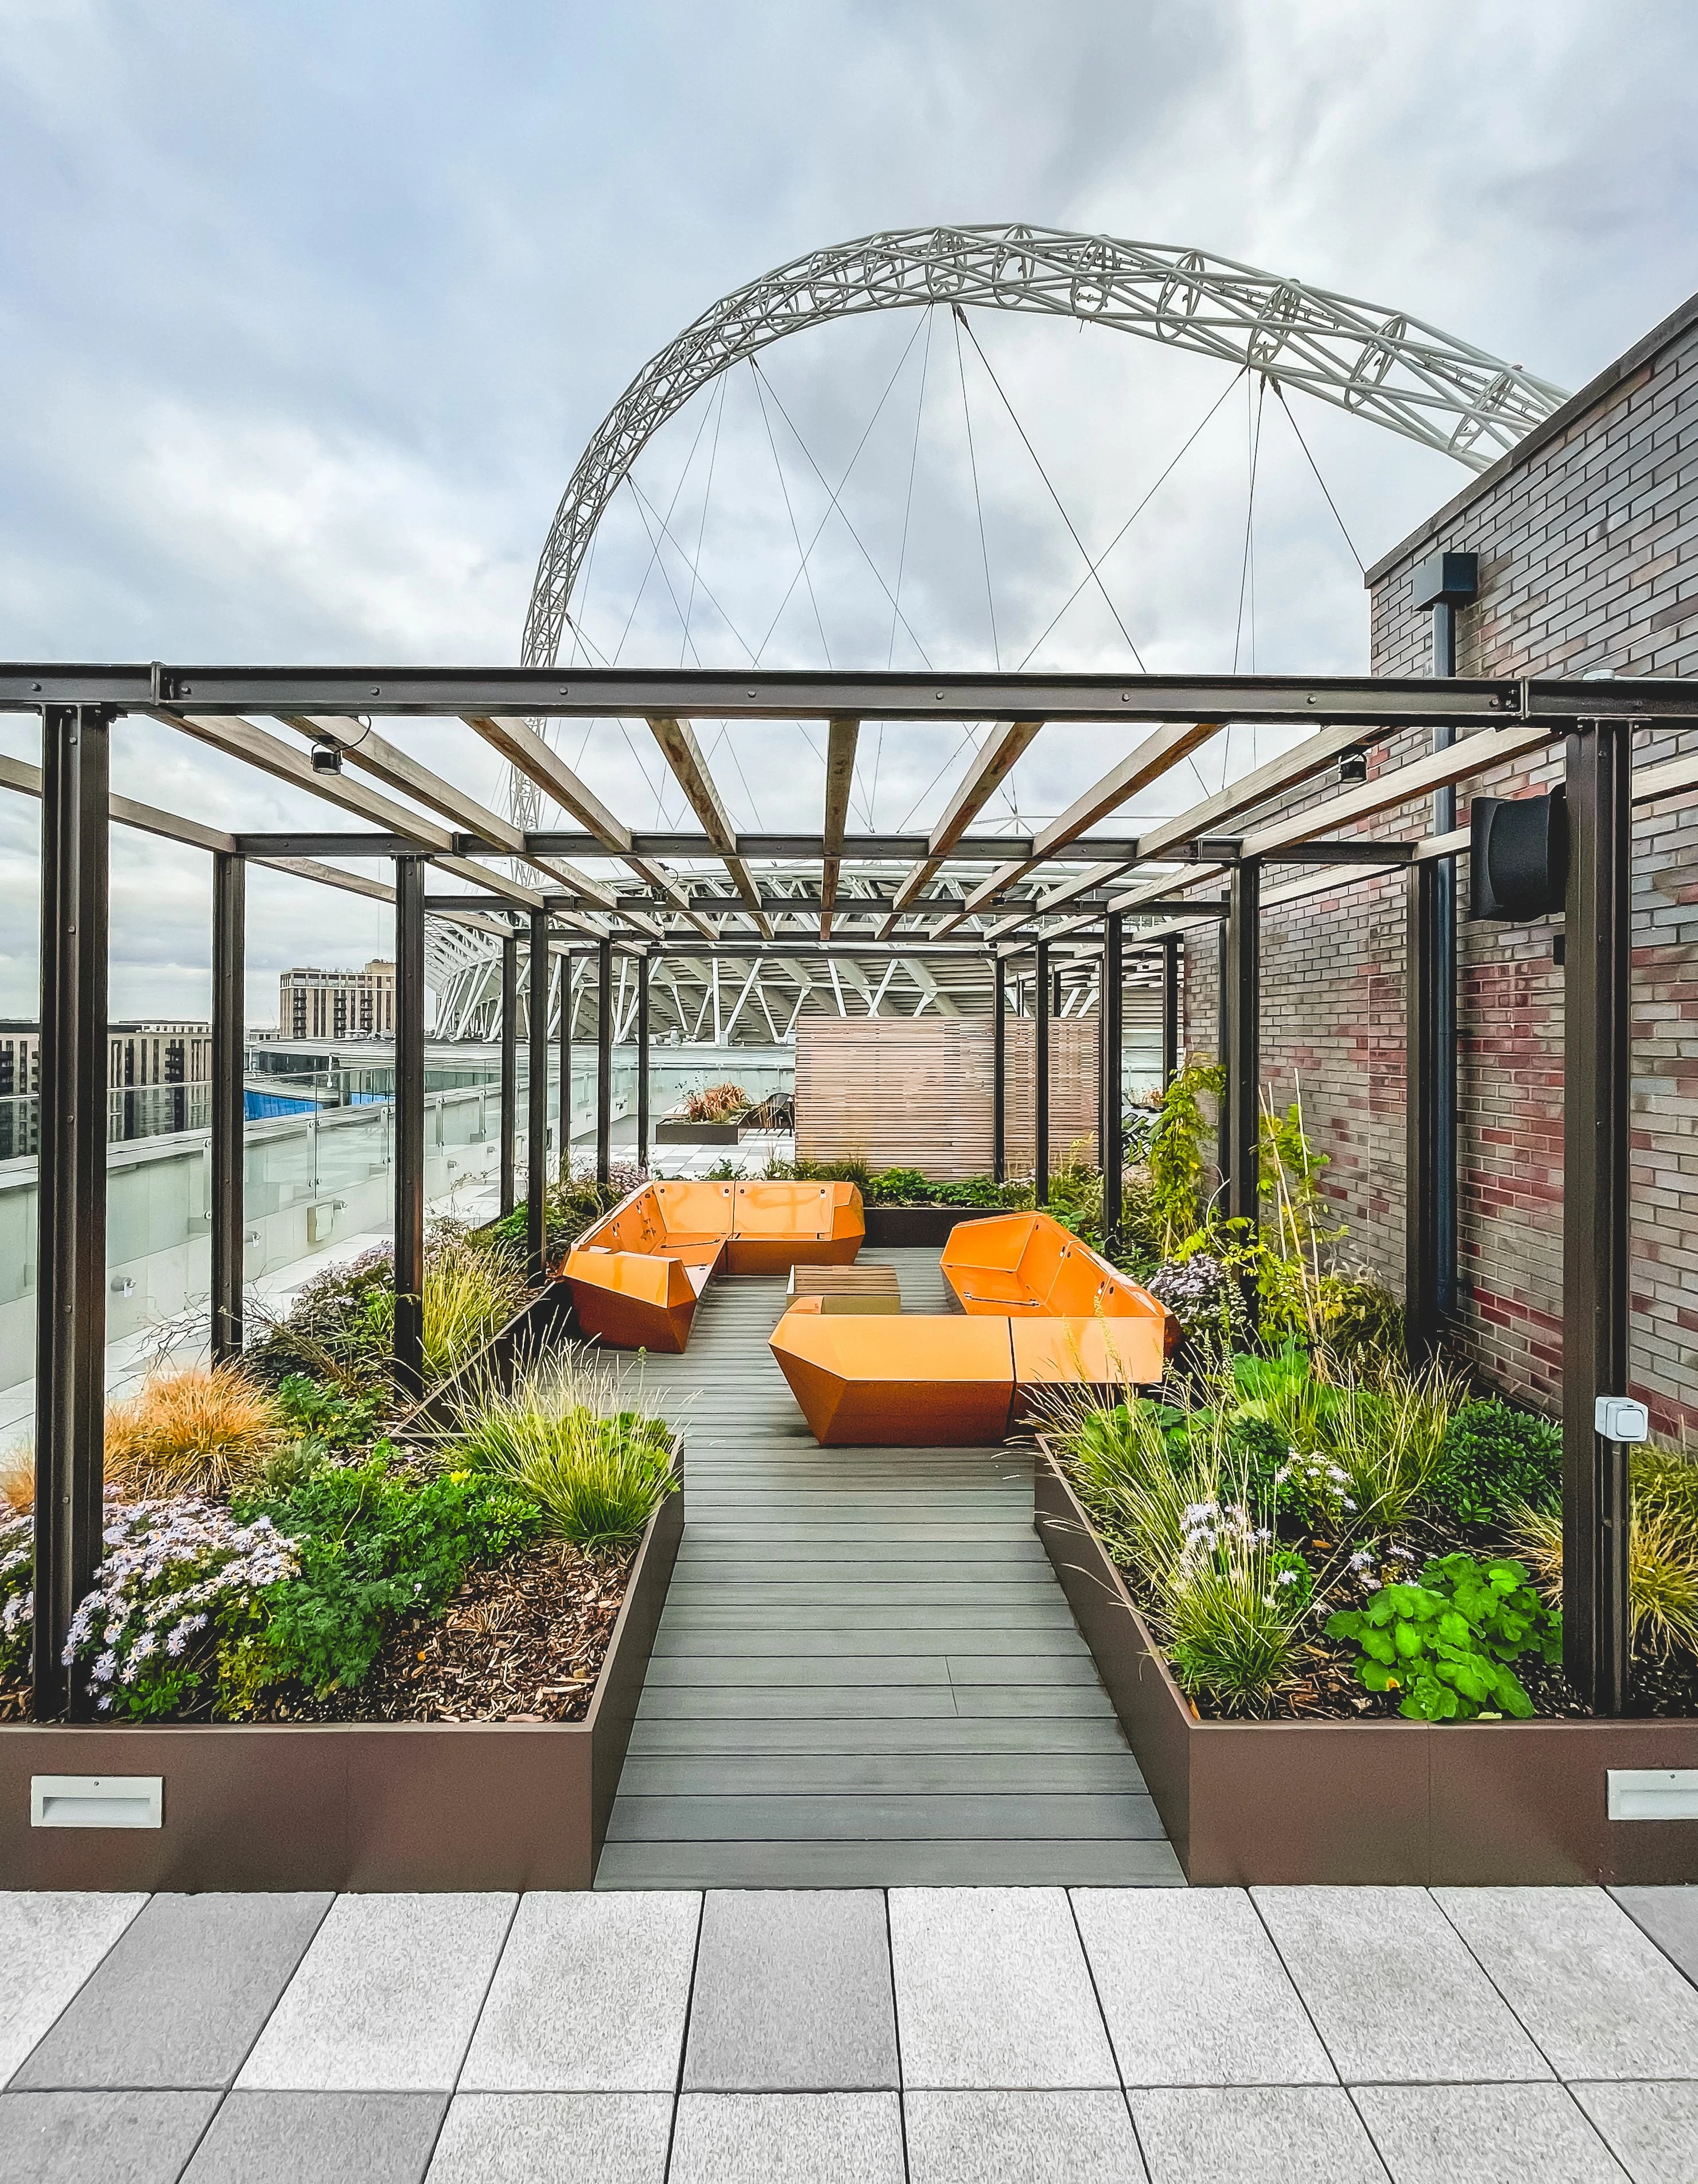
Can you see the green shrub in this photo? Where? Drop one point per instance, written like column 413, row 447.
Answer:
column 1365, row 1323
column 373, row 1543
column 1662, row 1550
column 338, row 1328
column 1495, row 1458
column 595, row 1474
column 1446, row 1642
column 316, row 1412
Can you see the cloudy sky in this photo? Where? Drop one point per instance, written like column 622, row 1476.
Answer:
column 307, row 310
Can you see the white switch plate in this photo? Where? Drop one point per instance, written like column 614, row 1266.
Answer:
column 1653, row 1793
column 97, row 1801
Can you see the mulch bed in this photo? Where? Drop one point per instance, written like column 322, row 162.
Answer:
column 522, row 1641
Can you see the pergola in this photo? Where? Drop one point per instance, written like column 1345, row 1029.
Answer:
column 1067, row 886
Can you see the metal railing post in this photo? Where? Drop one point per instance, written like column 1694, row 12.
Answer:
column 408, row 1118
column 999, row 1073
column 71, row 1311
column 565, row 963
column 1243, row 1040
column 643, row 1062
column 1169, row 1009
column 509, row 1065
column 1041, row 1077
column 1597, row 1087
column 1111, row 1133
column 1425, row 1018
column 228, row 1118
column 536, row 1163
column 604, row 1060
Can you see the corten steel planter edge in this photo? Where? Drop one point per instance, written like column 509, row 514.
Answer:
column 1466, row 1804
column 378, row 1806
column 894, row 1228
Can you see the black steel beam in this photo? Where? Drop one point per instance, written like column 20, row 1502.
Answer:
column 1429, row 1059
column 409, row 1115
column 999, row 1072
column 643, row 1062
column 1223, row 1056
column 1110, row 1017
column 566, row 1068
column 509, row 1068
column 70, row 1308
column 792, row 695
column 604, row 1061
column 229, row 1104
column 1595, row 1209
column 1040, row 1002
column 1243, row 1041
column 536, row 1132
column 1169, row 1009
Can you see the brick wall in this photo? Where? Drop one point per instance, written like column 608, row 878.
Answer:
column 1587, row 540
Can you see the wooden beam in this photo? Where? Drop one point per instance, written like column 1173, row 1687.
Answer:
column 683, row 753
column 1398, row 785
column 984, row 777
column 362, row 746
column 269, row 754
column 17, row 773
column 1147, row 762
column 840, row 775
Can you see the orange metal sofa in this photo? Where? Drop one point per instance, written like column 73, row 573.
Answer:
column 1038, row 1309
column 636, row 1276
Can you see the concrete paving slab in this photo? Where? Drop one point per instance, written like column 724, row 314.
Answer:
column 330, row 2138
column 1670, row 1917
column 547, row 2139
column 802, row 2138
column 792, row 1993
column 386, row 1997
column 50, row 1939
column 1194, row 1992
column 992, row 1990
column 182, row 1995
column 1601, row 1999
column 1021, row 2138
column 1254, row 2135
column 1652, row 2130
column 1393, row 1991
column 1505, row 2133
column 590, row 1996
column 99, row 2138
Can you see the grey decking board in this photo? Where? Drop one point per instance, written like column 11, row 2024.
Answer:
column 865, row 1671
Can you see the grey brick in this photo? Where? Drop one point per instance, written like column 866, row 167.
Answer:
column 99, row 2137
column 792, row 1993
column 331, row 2138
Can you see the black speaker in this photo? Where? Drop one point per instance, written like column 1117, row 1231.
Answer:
column 1520, row 866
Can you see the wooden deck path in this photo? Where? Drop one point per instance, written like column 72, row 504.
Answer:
column 866, row 1672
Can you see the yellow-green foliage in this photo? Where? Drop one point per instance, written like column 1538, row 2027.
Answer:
column 597, row 1473
column 199, row 1429
column 1662, row 1552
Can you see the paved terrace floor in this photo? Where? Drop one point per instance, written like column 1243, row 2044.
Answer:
column 921, row 2036
column 866, row 1672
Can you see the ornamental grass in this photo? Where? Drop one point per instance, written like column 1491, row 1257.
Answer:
column 597, row 1473
column 195, row 1429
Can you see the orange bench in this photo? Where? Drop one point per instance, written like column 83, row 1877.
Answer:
column 637, row 1274
column 1039, row 1309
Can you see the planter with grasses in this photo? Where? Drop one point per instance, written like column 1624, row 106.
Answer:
column 362, row 1645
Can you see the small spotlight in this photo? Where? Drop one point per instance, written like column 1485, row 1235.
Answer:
column 1353, row 767
column 326, row 758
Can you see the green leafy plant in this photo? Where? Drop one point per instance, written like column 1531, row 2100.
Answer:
column 596, row 1473
column 316, row 1412
column 1496, row 1458
column 338, row 1327
column 373, row 1543
column 1446, row 1642
column 1175, row 1155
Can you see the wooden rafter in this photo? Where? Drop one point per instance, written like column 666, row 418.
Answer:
column 683, row 753
column 840, row 775
column 983, row 779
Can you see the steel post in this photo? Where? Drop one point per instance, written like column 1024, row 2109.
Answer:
column 604, row 1060
column 229, row 1104
column 1425, row 1066
column 1595, row 1210
column 565, row 963
column 1169, row 1009
column 643, row 1062
column 70, row 1291
column 409, row 1113
column 1442, row 1092
column 536, row 1132
column 510, row 1066
column 1111, row 1132
column 1243, row 1040
column 1041, row 996
column 1223, row 1056
column 999, row 1072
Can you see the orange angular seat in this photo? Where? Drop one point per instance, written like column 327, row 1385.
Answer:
column 637, row 1274
column 1039, row 1309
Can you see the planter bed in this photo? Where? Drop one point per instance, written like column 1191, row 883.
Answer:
column 370, row 1806
column 1466, row 1804
column 675, row 1131
column 895, row 1228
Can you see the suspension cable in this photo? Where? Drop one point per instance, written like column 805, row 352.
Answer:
column 973, row 464
column 1253, row 427
column 784, row 488
column 654, row 543
column 1196, row 434
column 701, row 527
column 902, row 553
column 1090, row 568
column 1292, row 420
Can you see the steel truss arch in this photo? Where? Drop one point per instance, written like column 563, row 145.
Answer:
column 1396, row 371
